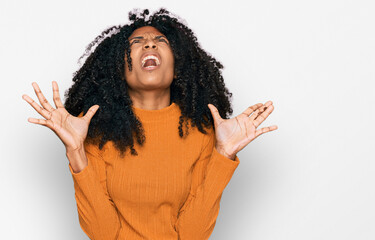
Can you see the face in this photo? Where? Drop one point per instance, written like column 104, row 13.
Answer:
column 148, row 41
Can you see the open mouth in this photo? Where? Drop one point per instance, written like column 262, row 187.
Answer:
column 152, row 67
column 150, row 62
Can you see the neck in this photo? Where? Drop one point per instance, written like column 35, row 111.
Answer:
column 150, row 100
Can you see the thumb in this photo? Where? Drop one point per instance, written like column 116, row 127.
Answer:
column 215, row 113
column 91, row 112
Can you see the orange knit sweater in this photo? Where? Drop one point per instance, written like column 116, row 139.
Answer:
column 170, row 191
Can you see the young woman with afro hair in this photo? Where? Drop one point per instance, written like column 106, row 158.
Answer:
column 139, row 170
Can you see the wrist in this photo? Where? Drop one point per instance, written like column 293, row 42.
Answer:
column 74, row 149
column 77, row 158
column 224, row 153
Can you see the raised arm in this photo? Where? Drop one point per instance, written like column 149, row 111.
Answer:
column 97, row 214
column 214, row 169
column 211, row 174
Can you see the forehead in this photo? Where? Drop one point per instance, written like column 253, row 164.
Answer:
column 146, row 30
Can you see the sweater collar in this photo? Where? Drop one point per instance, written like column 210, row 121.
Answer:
column 146, row 115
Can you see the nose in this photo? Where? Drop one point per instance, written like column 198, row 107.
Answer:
column 149, row 44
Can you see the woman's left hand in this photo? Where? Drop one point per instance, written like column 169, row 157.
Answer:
column 234, row 134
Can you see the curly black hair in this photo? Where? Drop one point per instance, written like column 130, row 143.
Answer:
column 101, row 80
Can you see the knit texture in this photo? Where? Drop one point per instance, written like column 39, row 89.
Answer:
column 170, row 191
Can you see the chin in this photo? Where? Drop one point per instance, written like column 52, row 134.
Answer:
column 151, row 83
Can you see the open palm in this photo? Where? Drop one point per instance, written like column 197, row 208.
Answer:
column 71, row 130
column 232, row 135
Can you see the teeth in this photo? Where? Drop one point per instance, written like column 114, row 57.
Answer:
column 150, row 57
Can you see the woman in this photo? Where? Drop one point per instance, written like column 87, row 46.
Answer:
column 144, row 82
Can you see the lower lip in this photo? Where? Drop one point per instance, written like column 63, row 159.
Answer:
column 150, row 68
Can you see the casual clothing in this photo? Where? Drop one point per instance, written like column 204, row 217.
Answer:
column 170, row 191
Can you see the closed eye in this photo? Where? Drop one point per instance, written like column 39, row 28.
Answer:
column 135, row 41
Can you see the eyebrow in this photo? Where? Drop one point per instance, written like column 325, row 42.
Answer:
column 157, row 37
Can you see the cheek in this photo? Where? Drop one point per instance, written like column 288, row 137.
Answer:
column 171, row 58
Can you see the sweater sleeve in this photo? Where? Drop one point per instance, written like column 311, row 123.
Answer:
column 97, row 213
column 211, row 174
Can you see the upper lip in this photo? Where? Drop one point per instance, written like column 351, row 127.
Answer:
column 150, row 54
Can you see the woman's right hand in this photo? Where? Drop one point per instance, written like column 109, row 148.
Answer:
column 71, row 130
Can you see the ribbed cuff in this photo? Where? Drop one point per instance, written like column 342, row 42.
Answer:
column 82, row 174
column 227, row 161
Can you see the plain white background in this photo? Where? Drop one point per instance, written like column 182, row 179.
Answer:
column 313, row 178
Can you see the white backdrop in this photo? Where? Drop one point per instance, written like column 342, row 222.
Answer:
column 313, row 178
